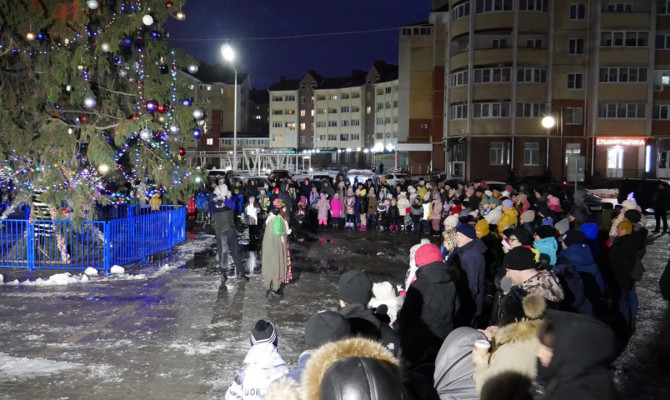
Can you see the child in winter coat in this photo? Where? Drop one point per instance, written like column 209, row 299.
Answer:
column 262, row 365
column 425, row 219
column 336, row 210
column 349, row 210
column 372, row 207
column 394, row 217
column 252, row 210
column 416, row 213
column 323, row 206
column 263, row 203
column 436, row 213
column 403, row 208
column 201, row 200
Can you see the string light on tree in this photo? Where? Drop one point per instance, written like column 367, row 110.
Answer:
column 90, row 102
column 145, row 134
column 30, row 35
column 193, row 68
column 92, row 4
column 148, row 20
column 198, row 114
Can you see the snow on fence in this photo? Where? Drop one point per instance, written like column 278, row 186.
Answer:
column 123, row 235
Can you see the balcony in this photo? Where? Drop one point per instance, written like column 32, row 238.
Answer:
column 626, row 20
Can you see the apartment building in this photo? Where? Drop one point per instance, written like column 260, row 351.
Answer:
column 337, row 115
column 598, row 67
column 212, row 89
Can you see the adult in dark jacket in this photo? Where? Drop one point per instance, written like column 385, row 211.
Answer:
column 226, row 240
column 426, row 316
column 574, row 298
column 355, row 291
column 473, row 263
column 454, row 367
column 577, row 251
column 622, row 259
column 574, row 353
column 660, row 203
column 579, row 213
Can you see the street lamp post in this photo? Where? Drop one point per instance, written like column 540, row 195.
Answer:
column 229, row 55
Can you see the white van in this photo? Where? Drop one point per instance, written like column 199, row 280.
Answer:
column 362, row 175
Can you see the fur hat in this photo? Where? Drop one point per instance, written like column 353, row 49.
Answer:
column 629, row 204
column 527, row 216
column 426, row 254
column 354, row 287
column 467, row 230
column 325, row 327
column 263, row 332
column 633, row 215
column 451, row 222
column 520, row 259
column 534, row 306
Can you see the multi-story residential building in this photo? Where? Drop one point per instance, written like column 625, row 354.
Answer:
column 598, row 67
column 213, row 89
column 421, row 60
column 336, row 115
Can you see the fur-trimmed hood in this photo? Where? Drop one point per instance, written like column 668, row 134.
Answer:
column 516, row 332
column 319, row 363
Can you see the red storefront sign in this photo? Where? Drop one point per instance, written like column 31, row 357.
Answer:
column 620, row 141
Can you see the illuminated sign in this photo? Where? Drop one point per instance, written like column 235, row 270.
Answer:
column 620, row 141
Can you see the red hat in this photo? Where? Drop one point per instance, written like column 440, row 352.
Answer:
column 426, row 254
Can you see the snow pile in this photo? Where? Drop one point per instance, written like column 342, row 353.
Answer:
column 90, row 271
column 117, row 269
column 13, row 368
column 62, row 279
column 191, row 348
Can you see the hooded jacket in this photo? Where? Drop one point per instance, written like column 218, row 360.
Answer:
column 262, row 365
column 544, row 284
column 508, row 219
column 365, row 323
column 336, row 207
column 548, row 246
column 329, row 355
column 574, row 295
column 622, row 259
column 582, row 350
column 426, row 316
column 513, row 350
column 454, row 367
column 582, row 257
column 473, row 263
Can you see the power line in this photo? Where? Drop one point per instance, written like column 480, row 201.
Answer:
column 287, row 37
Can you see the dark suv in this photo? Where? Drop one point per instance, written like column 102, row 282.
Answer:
column 278, row 174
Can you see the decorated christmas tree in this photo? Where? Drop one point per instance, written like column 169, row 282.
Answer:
column 90, row 107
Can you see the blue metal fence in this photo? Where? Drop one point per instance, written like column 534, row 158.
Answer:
column 135, row 233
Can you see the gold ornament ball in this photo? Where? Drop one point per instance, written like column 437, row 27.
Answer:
column 180, row 15
column 30, row 35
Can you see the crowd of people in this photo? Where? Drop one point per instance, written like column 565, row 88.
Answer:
column 548, row 287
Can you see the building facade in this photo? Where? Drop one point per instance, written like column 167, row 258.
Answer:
column 344, row 120
column 598, row 67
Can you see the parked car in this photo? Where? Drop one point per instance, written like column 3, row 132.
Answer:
column 393, row 178
column 497, row 185
column 642, row 189
column 278, row 174
column 566, row 192
column 607, row 189
column 261, row 181
column 533, row 181
column 362, row 175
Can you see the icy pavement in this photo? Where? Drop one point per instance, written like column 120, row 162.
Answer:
column 168, row 329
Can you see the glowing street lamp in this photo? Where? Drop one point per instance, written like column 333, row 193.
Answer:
column 548, row 122
column 229, row 55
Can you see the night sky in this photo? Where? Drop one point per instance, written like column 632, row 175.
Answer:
column 211, row 22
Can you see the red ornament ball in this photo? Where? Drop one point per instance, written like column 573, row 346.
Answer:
column 168, row 4
column 182, row 151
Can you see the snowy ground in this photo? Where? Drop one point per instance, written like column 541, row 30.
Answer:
column 168, row 329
